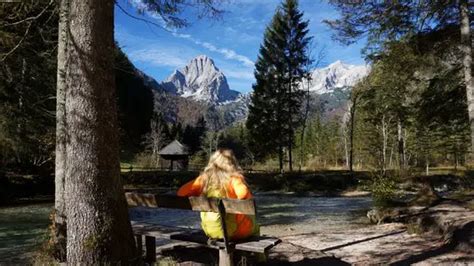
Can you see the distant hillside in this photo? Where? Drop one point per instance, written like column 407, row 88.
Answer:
column 135, row 102
column 201, row 89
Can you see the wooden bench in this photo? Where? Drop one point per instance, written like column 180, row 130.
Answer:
column 256, row 244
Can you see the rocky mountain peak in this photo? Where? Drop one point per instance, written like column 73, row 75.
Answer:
column 200, row 80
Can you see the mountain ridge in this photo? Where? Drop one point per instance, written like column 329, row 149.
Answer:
column 336, row 75
column 201, row 89
column 200, row 80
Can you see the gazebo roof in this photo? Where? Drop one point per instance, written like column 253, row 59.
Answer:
column 174, row 148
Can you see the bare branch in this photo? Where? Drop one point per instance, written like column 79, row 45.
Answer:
column 32, row 18
column 141, row 19
column 18, row 44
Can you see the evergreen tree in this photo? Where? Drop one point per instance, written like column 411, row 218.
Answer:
column 27, row 84
column 411, row 106
column 262, row 122
column 235, row 138
column 276, row 102
column 384, row 21
column 193, row 135
column 176, row 131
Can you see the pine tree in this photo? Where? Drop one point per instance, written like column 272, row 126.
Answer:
column 262, row 120
column 193, row 135
column 27, row 84
column 383, row 21
column 276, row 102
column 176, row 131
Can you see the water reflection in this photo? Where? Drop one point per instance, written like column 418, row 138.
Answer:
column 24, row 228
column 280, row 215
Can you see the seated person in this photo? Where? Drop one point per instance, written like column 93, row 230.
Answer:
column 222, row 178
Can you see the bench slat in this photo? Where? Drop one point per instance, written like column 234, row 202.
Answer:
column 258, row 245
column 159, row 231
column 254, row 244
column 190, row 203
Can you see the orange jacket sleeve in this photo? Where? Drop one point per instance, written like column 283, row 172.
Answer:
column 192, row 188
column 241, row 189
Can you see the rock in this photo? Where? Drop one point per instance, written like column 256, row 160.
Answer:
column 385, row 215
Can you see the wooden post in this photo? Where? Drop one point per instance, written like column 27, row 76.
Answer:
column 139, row 242
column 150, row 243
column 225, row 255
column 225, row 258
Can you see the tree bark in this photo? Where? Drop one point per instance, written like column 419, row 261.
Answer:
column 401, row 145
column 305, row 119
column 405, row 138
column 346, row 144
column 384, row 143
column 59, row 228
column 466, row 47
column 98, row 229
column 351, row 132
column 290, row 125
column 280, row 159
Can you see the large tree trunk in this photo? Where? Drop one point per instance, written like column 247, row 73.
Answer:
column 466, row 47
column 59, row 228
column 98, row 229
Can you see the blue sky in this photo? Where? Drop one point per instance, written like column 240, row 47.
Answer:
column 232, row 41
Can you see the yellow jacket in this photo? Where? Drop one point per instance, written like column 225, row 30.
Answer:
column 239, row 226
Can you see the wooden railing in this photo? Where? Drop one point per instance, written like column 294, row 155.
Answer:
column 190, row 168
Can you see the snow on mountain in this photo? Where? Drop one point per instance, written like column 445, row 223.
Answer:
column 200, row 80
column 336, row 75
column 200, row 85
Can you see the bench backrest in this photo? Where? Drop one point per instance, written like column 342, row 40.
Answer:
column 191, row 203
column 221, row 206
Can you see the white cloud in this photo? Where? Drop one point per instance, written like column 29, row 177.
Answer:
column 158, row 57
column 239, row 74
column 227, row 53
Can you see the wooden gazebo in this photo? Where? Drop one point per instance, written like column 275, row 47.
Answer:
column 175, row 156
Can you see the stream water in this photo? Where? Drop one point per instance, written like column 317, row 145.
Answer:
column 24, row 228
column 22, row 231
column 281, row 215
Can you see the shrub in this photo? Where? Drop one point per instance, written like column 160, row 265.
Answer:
column 383, row 188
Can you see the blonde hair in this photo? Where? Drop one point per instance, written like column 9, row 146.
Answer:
column 221, row 167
